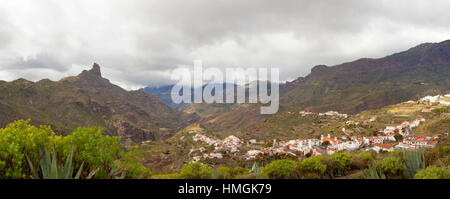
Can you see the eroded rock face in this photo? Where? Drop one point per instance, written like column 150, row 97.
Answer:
column 96, row 70
column 130, row 134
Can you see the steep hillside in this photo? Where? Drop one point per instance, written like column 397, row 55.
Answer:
column 89, row 99
column 373, row 83
column 199, row 142
column 352, row 87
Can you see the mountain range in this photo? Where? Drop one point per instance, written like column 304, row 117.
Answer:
column 352, row 87
column 148, row 114
column 89, row 99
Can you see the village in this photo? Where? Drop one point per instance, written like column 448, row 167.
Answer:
column 397, row 137
column 314, row 147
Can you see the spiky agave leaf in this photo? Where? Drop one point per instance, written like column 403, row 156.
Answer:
column 372, row 173
column 79, row 171
column 45, row 163
column 67, row 170
column 414, row 161
column 54, row 166
column 92, row 173
column 34, row 174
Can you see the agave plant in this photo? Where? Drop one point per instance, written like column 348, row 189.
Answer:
column 51, row 170
column 118, row 171
column 372, row 173
column 414, row 161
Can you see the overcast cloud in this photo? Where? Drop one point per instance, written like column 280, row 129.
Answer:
column 138, row 43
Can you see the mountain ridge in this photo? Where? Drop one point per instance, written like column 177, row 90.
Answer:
column 90, row 99
column 352, row 87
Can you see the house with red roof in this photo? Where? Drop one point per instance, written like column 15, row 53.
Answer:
column 385, row 147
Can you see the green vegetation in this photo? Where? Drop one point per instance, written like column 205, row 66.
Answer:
column 372, row 173
column 20, row 138
column 342, row 162
column 312, row 165
column 23, row 147
column 50, row 168
column 391, row 166
column 88, row 99
column 280, row 169
column 31, row 152
column 93, row 149
column 231, row 173
column 433, row 172
column 414, row 160
column 398, row 137
column 195, row 170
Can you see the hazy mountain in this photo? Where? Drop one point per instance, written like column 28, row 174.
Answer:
column 164, row 93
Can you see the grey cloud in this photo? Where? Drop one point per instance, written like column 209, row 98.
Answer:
column 137, row 42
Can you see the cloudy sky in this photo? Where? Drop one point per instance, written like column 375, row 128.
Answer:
column 139, row 43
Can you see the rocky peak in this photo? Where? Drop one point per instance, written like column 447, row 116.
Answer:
column 96, row 70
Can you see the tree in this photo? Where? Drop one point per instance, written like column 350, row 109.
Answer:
column 325, row 143
column 398, row 137
column 280, row 169
column 433, row 172
column 195, row 170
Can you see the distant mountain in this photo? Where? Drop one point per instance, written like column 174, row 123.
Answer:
column 164, row 93
column 373, row 83
column 352, row 87
column 90, row 99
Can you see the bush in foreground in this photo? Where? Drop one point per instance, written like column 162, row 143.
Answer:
column 280, row 169
column 195, row 170
column 433, row 172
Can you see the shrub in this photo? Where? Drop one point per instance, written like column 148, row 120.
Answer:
column 133, row 166
column 195, row 170
column 167, row 176
column 238, row 171
column 365, row 156
column 433, row 172
column 312, row 165
column 280, row 169
column 445, row 149
column 97, row 151
column 361, row 160
column 19, row 138
column 251, row 176
column 391, row 166
column 224, row 173
column 342, row 162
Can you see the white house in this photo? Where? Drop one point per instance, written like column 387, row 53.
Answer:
column 385, row 147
